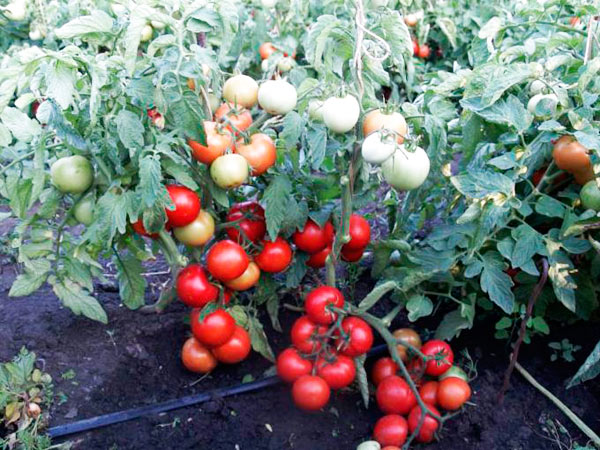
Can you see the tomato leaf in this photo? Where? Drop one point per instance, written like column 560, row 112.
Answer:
column 589, row 369
column 276, row 198
column 362, row 379
column 132, row 285
column 97, row 22
column 418, row 306
column 79, row 300
column 259, row 339
column 130, row 129
column 496, row 283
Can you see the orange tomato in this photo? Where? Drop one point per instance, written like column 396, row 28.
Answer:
column 246, row 280
column 377, row 120
column 260, row 152
column 266, row 49
column 240, row 118
column 217, row 143
column 409, row 336
column 570, row 155
column 196, row 357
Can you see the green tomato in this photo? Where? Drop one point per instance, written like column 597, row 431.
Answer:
column 285, row 64
column 83, row 211
column 590, row 196
column 229, row 171
column 146, row 33
column 543, row 105
column 72, row 174
column 277, row 97
column 406, row 170
column 455, row 372
column 369, row 445
column 315, row 110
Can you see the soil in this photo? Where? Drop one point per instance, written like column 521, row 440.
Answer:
column 134, row 361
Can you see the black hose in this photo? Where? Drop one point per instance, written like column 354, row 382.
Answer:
column 169, row 405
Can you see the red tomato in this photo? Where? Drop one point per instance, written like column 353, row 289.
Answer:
column 260, row 152
column 187, row 206
column 139, row 228
column 359, row 337
column 416, row 369
column 227, row 260
column 317, row 260
column 337, row 374
column 394, row 396
column 275, row 256
column 415, row 47
column 310, row 393
column 196, row 357
column 217, row 143
column 452, row 393
column 214, row 329
column 391, row 430
column 246, row 280
column 383, row 368
column 430, row 425
column 266, row 49
column 574, row 21
column 251, row 222
column 304, row 333
column 312, row 238
column 428, row 392
column 317, row 302
column 391, row 447
column 236, row 119
column 193, row 287
column 291, row 366
column 236, row 349
column 352, row 255
column 424, row 51
column 360, row 233
column 444, row 357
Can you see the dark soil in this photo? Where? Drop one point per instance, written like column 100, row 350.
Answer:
column 135, row 361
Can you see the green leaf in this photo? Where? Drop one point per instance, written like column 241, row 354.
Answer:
column 78, row 300
column 362, row 379
column 132, row 285
column 451, row 325
column 509, row 112
column 496, row 283
column 548, row 206
column 316, row 139
column 589, row 369
column 540, row 325
column 276, row 198
column 528, row 242
column 27, row 283
column 560, row 275
column 480, row 183
column 20, row 125
column 60, row 81
column 97, row 22
column 418, row 306
column 130, row 129
column 259, row 339
column 150, row 186
column 293, row 125
column 186, row 112
column 295, row 273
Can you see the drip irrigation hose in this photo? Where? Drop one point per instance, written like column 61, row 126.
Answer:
column 169, row 405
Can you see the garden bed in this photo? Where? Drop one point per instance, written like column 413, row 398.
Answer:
column 134, row 361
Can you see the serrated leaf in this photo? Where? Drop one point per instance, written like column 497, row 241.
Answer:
column 132, row 285
column 79, row 301
column 480, row 183
column 418, row 306
column 550, row 207
column 528, row 242
column 150, row 186
column 496, row 283
column 362, row 379
column 60, row 81
column 560, row 275
column 589, row 369
column 316, row 139
column 130, row 129
column 259, row 339
column 276, row 198
column 451, row 325
column 20, row 125
column 97, row 22
column 27, row 283
column 293, row 125
column 295, row 273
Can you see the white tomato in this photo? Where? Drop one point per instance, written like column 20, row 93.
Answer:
column 241, row 90
column 406, row 170
column 378, row 147
column 340, row 114
column 277, row 97
column 229, row 171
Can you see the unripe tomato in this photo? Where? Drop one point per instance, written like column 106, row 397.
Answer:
column 234, row 118
column 452, row 393
column 369, row 445
column 277, row 97
column 275, row 256
column 310, row 393
column 337, row 374
column 315, row 110
column 312, row 238
column 391, row 430
column 236, row 349
column 444, row 357
column 352, row 255
column 246, row 280
column 36, row 34
column 454, row 371
column 197, row 233
column 269, row 3
column 383, row 368
column 360, row 233
column 358, row 338
column 72, row 174
column 428, row 392
column 260, row 152
column 304, row 334
column 229, row 171
column 157, row 25
column 193, row 287
column 227, row 260
column 291, row 365
column 406, row 170
column 214, row 102
column 378, row 147
column 196, row 357
column 318, row 260
column 319, row 300
column 590, row 196
column 424, row 51
column 217, row 143
column 250, row 217
column 16, row 10
column 430, row 425
column 241, row 90
column 570, row 155
column 146, row 33
column 537, row 87
column 394, row 396
column 411, row 19
column 341, row 114
column 266, row 49
column 187, row 206
column 83, row 211
column 543, row 105
column 378, row 120
column 285, row 64
column 215, row 329
column 409, row 336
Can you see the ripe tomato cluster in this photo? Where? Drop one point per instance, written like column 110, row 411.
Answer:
column 324, row 344
column 441, row 385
